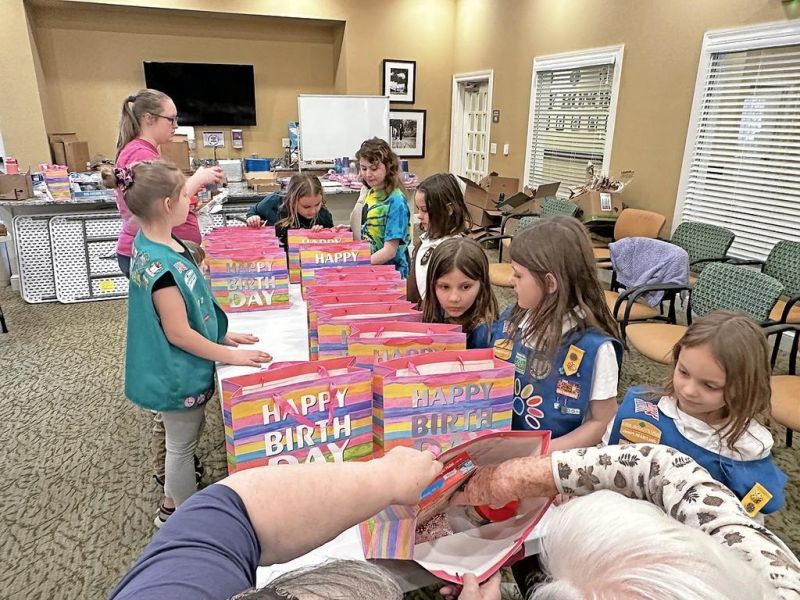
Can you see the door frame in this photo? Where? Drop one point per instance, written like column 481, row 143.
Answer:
column 457, row 115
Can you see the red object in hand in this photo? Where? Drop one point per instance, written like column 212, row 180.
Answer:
column 498, row 514
column 193, row 201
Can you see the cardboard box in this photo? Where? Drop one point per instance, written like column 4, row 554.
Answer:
column 57, row 149
column 263, row 181
column 594, row 205
column 16, row 187
column 176, row 151
column 496, row 185
column 77, row 156
column 476, row 195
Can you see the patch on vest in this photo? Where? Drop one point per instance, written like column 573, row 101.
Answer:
column 639, row 432
column 503, row 349
column 572, row 361
column 643, row 406
column 180, row 267
column 756, row 499
column 190, row 278
column 568, row 388
column 539, row 367
column 153, row 269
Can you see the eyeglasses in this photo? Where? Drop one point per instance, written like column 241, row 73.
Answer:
column 173, row 120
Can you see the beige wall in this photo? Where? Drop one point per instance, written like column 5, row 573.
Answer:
column 91, row 57
column 21, row 117
column 662, row 49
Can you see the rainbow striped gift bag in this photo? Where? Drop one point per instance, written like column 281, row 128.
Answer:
column 319, row 256
column 295, row 237
column 333, row 322
column 244, row 280
column 440, row 399
column 372, row 343
column 482, row 550
column 316, row 302
column 298, row 412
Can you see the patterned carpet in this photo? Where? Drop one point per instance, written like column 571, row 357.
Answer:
column 77, row 500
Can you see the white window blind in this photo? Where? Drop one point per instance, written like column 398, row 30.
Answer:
column 572, row 111
column 744, row 171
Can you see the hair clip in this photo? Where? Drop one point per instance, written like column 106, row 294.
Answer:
column 124, row 178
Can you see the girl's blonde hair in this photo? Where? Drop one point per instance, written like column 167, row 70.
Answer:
column 740, row 347
column 559, row 246
column 467, row 256
column 144, row 184
column 134, row 108
column 376, row 150
column 300, row 185
column 447, row 212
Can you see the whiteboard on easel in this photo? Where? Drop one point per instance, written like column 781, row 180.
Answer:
column 335, row 126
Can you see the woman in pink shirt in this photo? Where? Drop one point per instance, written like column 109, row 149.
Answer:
column 149, row 118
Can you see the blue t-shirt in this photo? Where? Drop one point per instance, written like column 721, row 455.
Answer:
column 207, row 550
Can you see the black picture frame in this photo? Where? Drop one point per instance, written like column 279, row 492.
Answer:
column 407, row 126
column 400, row 80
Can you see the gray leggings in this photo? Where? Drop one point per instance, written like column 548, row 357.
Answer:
column 183, row 431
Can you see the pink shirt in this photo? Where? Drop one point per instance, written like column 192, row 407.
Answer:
column 134, row 151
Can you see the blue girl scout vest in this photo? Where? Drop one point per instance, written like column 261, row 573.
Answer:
column 758, row 483
column 158, row 375
column 553, row 394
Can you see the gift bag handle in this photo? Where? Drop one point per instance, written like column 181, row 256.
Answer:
column 407, row 341
column 290, row 409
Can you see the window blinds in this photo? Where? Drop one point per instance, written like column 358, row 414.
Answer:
column 744, row 173
column 570, row 117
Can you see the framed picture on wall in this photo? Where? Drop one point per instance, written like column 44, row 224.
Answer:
column 400, row 80
column 407, row 132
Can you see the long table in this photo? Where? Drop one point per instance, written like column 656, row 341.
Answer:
column 284, row 334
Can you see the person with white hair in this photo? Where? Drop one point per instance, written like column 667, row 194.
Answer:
column 648, row 523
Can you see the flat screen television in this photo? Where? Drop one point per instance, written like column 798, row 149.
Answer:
column 206, row 94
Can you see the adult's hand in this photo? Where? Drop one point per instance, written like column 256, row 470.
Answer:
column 411, row 471
column 490, row 590
column 497, row 485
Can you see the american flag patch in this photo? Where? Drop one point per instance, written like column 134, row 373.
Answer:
column 643, row 406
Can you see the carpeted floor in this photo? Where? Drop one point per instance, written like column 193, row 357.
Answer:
column 77, row 499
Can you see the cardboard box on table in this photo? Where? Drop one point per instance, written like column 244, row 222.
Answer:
column 176, row 151
column 333, row 322
column 318, row 302
column 68, row 150
column 263, row 181
column 391, row 534
column 298, row 412
column 320, row 256
column 478, row 205
column 16, row 187
column 440, row 399
column 295, row 237
column 372, row 343
column 528, row 201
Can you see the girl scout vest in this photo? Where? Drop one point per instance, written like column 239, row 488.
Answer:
column 758, row 483
column 553, row 394
column 158, row 375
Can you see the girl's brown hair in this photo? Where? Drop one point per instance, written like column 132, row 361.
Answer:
column 144, row 184
column 559, row 246
column 447, row 212
column 467, row 256
column 300, row 185
column 377, row 150
column 133, row 110
column 740, row 348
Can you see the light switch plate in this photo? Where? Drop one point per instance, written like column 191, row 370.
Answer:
column 505, row 149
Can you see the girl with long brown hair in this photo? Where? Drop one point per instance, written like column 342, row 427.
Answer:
column 710, row 406
column 459, row 290
column 560, row 336
column 301, row 207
